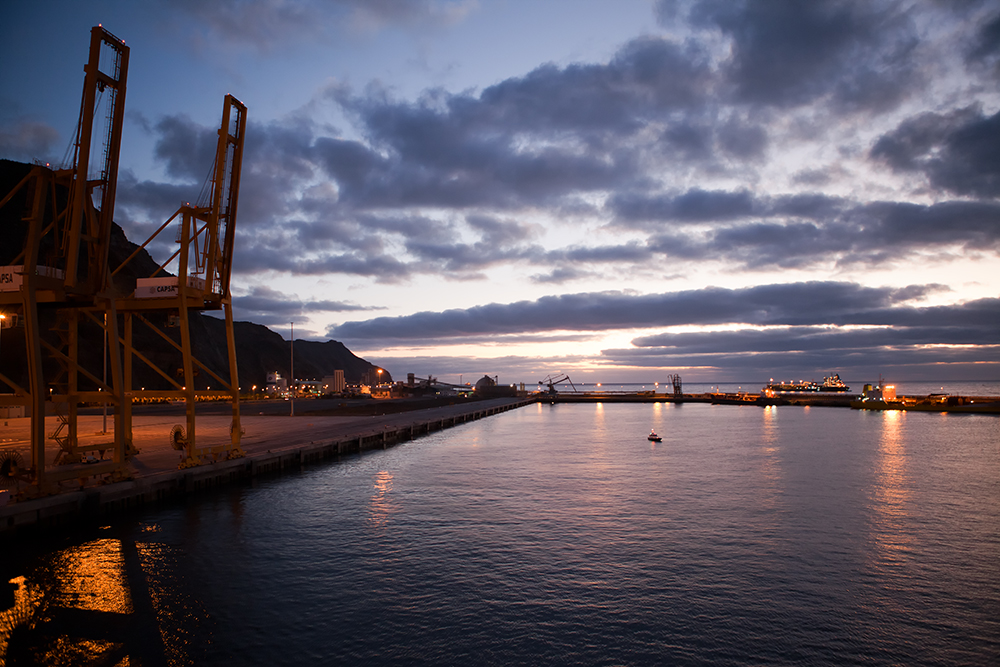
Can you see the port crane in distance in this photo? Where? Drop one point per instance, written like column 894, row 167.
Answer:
column 552, row 380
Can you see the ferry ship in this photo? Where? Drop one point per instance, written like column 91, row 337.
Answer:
column 834, row 383
column 792, row 386
column 831, row 384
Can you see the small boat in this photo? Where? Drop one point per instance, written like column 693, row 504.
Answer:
column 652, row 437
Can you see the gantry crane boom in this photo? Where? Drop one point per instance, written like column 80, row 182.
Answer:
column 85, row 224
column 226, row 192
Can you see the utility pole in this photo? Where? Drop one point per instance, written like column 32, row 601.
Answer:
column 104, row 366
column 291, row 380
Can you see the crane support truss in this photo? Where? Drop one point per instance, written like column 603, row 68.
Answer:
column 60, row 279
column 204, row 267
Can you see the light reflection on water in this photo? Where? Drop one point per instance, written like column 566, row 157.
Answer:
column 770, row 460
column 891, row 491
column 104, row 601
column 559, row 534
column 381, row 503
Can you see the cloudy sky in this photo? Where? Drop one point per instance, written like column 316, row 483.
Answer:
column 614, row 189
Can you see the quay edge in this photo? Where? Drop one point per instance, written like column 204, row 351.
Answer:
column 68, row 508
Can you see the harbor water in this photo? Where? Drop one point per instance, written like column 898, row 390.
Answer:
column 556, row 534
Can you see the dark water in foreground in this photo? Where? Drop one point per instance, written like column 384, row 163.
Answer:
column 559, row 535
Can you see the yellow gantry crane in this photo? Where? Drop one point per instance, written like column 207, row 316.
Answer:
column 61, row 278
column 204, row 265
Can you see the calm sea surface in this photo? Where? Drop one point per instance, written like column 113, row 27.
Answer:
column 557, row 534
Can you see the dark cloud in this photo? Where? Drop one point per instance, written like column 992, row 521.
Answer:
column 689, row 141
column 465, row 257
column 973, row 225
column 278, row 160
column 814, row 339
column 861, row 364
column 559, row 275
column 525, row 141
column 627, row 252
column 28, row 140
column 695, row 205
column 163, row 199
column 807, row 229
column 430, row 162
column 858, row 55
column 720, row 206
column 985, row 48
column 959, row 151
column 186, row 148
column 142, row 207
column 980, row 313
column 269, row 25
column 789, row 304
column 496, row 231
column 742, row 140
column 646, row 79
column 278, row 253
column 500, row 241
column 269, row 306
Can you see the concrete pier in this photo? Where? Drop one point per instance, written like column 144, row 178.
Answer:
column 272, row 443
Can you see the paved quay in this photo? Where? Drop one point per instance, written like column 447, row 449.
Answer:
column 272, row 442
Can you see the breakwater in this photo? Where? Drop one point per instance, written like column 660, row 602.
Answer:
column 716, row 398
column 932, row 403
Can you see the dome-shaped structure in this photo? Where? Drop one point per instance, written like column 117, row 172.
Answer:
column 485, row 383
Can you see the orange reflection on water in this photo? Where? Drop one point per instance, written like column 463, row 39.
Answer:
column 82, row 585
column 891, row 490
column 381, row 504
column 27, row 600
column 770, row 468
column 657, row 422
column 770, row 426
column 180, row 619
column 106, row 601
column 91, row 577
